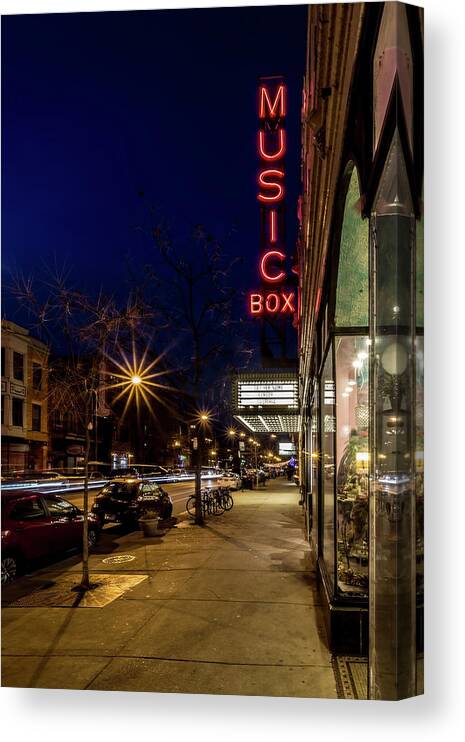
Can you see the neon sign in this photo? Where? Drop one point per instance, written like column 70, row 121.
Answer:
column 277, row 300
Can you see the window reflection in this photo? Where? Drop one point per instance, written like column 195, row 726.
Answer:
column 352, row 462
column 328, row 429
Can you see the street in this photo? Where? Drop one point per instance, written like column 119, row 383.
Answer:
column 179, row 493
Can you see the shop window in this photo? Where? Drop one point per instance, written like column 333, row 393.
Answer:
column 17, row 412
column 352, row 460
column 419, row 459
column 18, row 366
column 36, row 417
column 393, row 56
column 419, row 406
column 36, row 376
column 352, row 278
column 315, row 463
column 419, row 273
column 328, row 429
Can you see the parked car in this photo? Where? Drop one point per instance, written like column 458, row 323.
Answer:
column 154, row 471
column 230, row 479
column 35, row 526
column 128, row 471
column 124, row 500
column 97, row 475
column 180, row 473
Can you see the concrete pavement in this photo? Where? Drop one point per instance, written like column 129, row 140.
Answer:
column 230, row 608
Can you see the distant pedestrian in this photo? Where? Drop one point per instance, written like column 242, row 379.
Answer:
column 291, row 469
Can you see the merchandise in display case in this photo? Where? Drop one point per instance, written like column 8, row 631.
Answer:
column 352, row 464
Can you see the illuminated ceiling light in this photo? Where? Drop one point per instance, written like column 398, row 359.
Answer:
column 345, row 394
column 362, row 355
column 263, row 423
column 357, row 364
column 351, row 382
column 349, row 389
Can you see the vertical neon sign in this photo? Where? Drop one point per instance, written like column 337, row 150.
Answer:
column 271, row 194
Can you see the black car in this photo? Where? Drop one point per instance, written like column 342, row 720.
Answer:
column 124, row 500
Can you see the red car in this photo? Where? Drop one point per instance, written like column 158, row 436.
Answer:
column 35, row 526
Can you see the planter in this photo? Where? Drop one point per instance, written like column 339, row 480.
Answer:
column 149, row 527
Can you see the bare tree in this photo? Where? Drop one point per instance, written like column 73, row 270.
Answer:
column 189, row 286
column 83, row 332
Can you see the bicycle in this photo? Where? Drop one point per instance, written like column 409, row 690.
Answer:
column 226, row 498
column 211, row 502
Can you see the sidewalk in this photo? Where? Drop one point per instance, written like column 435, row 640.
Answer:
column 229, row 608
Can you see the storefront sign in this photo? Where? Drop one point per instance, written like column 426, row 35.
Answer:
column 75, row 450
column 274, row 298
column 286, row 449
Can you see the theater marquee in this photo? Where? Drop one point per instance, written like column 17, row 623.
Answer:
column 267, row 402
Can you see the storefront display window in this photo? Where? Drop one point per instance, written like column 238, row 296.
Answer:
column 315, row 464
column 328, row 430
column 352, row 461
column 419, row 407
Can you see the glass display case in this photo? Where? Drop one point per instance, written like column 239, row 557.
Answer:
column 345, row 465
column 352, row 379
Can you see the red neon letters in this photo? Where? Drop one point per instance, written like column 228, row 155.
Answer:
column 271, row 185
column 272, row 303
column 271, row 156
column 264, row 266
column 269, row 109
column 271, row 192
column 273, row 226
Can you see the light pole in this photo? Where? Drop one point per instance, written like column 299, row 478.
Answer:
column 135, row 380
column 203, row 419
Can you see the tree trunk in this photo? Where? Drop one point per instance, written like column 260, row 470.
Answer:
column 199, row 521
